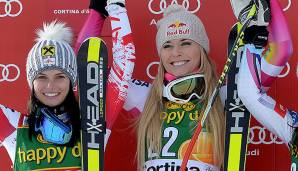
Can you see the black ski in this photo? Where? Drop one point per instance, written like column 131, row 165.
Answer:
column 237, row 116
column 92, row 72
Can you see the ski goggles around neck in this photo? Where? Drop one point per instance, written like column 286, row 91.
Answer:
column 52, row 128
column 183, row 89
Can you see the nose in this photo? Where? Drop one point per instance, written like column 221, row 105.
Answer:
column 176, row 51
column 50, row 84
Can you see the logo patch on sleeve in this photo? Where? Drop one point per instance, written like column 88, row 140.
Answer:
column 280, row 110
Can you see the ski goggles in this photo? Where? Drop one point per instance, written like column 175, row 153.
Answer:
column 183, row 89
column 52, row 128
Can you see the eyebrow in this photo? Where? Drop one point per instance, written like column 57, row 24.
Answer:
column 61, row 73
column 169, row 41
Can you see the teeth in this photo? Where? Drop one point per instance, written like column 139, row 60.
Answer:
column 178, row 63
column 51, row 94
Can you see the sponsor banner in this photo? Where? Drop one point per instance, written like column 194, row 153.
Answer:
column 19, row 19
column 174, row 165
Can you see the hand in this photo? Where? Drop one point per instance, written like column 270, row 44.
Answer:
column 257, row 35
column 99, row 6
column 263, row 15
column 238, row 6
column 118, row 2
column 242, row 7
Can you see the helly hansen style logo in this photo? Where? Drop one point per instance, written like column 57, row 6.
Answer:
column 178, row 28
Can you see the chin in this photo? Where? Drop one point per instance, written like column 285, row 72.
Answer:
column 52, row 104
column 182, row 74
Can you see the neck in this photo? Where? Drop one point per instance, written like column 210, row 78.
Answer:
column 169, row 77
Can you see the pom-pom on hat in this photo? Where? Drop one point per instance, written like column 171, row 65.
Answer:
column 52, row 51
column 179, row 23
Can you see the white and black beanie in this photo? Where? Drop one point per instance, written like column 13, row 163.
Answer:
column 51, row 51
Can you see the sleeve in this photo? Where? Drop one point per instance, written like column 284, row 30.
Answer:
column 9, row 122
column 264, row 109
column 91, row 28
column 259, row 68
column 9, row 119
column 123, row 57
column 280, row 47
column 123, row 62
column 134, row 103
column 137, row 94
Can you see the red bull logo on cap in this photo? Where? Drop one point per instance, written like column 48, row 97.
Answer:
column 178, row 28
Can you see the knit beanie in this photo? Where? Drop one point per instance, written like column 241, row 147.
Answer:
column 179, row 23
column 52, row 51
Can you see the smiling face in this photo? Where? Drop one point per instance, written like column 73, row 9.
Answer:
column 180, row 56
column 51, row 87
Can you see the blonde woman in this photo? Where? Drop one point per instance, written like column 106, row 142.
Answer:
column 168, row 110
column 185, row 80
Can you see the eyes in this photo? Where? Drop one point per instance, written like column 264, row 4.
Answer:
column 45, row 77
column 182, row 44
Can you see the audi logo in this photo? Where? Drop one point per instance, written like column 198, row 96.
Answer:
column 149, row 69
column 9, row 72
column 12, row 8
column 259, row 135
column 288, row 6
column 287, row 71
column 158, row 9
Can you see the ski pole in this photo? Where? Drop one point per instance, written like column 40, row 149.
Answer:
column 211, row 101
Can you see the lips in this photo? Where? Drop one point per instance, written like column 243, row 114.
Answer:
column 51, row 94
column 179, row 63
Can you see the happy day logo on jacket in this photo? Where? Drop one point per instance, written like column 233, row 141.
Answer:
column 178, row 28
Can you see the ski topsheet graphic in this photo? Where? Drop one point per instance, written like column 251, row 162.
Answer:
column 237, row 116
column 92, row 72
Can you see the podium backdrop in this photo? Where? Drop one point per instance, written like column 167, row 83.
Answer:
column 19, row 19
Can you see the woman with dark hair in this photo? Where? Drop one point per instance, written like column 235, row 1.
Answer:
column 49, row 136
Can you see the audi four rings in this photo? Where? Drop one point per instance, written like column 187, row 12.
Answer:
column 259, row 135
column 8, row 10
column 8, row 7
column 163, row 4
column 6, row 71
column 149, row 69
